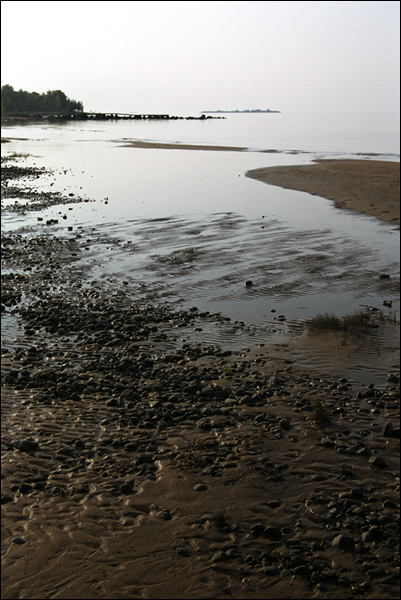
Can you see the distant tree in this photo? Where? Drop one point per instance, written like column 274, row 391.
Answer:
column 20, row 101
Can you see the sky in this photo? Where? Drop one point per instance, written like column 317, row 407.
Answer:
column 186, row 57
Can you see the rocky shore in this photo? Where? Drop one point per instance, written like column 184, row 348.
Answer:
column 135, row 465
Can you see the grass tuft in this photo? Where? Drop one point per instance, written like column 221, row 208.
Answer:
column 326, row 322
column 321, row 413
column 220, row 517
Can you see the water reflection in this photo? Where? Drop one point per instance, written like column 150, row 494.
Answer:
column 188, row 227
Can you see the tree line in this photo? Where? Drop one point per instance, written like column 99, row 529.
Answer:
column 13, row 101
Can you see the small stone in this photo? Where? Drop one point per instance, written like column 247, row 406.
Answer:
column 302, row 571
column 24, row 488
column 378, row 462
column 367, row 536
column 219, row 556
column 18, row 540
column 376, row 573
column 388, row 429
column 200, row 487
column 270, row 571
column 273, row 533
column 343, row 542
column 258, row 529
column 285, row 424
column 26, row 445
column 126, row 488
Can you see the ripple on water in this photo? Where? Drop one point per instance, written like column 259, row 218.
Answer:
column 208, row 260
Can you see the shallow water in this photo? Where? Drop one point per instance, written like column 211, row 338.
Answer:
column 189, row 227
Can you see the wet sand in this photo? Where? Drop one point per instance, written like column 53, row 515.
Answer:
column 179, row 146
column 132, row 468
column 371, row 187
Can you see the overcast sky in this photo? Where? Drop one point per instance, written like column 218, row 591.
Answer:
column 185, row 57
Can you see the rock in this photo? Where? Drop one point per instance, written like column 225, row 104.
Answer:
column 327, row 442
column 302, row 571
column 18, row 540
column 24, row 488
column 272, row 533
column 285, row 424
column 258, row 529
column 270, row 571
column 376, row 573
column 367, row 537
column 126, row 488
column 378, row 462
column 343, row 542
column 200, row 487
column 26, row 445
column 219, row 556
column 388, row 429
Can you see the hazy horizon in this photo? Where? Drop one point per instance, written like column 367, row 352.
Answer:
column 187, row 57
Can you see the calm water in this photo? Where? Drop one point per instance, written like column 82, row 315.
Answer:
column 188, row 227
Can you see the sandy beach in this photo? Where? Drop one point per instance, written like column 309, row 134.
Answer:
column 133, row 468
column 371, row 187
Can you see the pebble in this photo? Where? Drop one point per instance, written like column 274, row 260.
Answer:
column 116, row 371
column 200, row 487
column 219, row 556
column 27, row 445
column 343, row 542
column 284, row 424
column 18, row 540
column 378, row 462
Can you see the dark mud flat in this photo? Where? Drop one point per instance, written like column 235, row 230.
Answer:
column 135, row 464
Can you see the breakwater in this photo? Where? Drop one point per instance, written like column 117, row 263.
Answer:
column 96, row 116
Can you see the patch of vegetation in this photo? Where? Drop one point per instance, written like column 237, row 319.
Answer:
column 321, row 414
column 326, row 322
column 220, row 517
column 21, row 101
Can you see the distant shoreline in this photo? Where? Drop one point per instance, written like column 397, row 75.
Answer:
column 256, row 110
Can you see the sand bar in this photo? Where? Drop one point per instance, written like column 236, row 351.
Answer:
column 178, row 146
column 371, row 187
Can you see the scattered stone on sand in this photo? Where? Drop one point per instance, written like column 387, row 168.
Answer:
column 152, row 463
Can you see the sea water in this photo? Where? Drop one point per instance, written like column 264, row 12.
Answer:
column 188, row 227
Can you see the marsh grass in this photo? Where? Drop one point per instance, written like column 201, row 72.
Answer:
column 321, row 414
column 326, row 322
column 220, row 518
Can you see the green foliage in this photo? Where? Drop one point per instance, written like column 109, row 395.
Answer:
column 13, row 102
